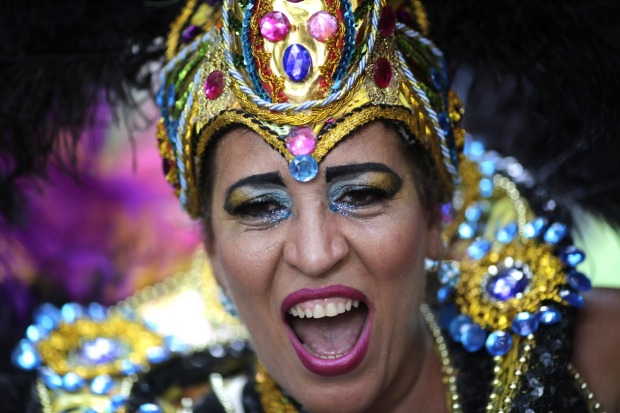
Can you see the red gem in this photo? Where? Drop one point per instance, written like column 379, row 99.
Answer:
column 387, row 21
column 382, row 73
column 214, row 85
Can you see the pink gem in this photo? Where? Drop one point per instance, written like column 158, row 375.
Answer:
column 382, row 73
column 322, row 26
column 387, row 21
column 214, row 85
column 295, row 1
column 274, row 26
column 301, row 141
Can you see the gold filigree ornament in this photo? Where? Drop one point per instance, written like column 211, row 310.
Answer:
column 539, row 274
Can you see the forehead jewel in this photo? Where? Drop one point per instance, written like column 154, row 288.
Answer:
column 303, row 74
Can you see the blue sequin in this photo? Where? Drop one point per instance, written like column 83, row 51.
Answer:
column 525, row 324
column 473, row 212
column 572, row 256
column 474, row 150
column 127, row 367
column 436, row 78
column 487, row 167
column 72, row 382
column 174, row 344
column 444, row 121
column 486, row 187
column 50, row 378
column 479, row 249
column 444, row 294
column 555, row 233
column 348, row 47
column 572, row 298
column 171, row 96
column 116, row 402
column 25, row 356
column 35, row 333
column 508, row 233
column 533, row 229
column 473, row 337
column 71, row 312
column 303, row 168
column 47, row 316
column 102, row 384
column 297, row 62
column 579, row 281
column 157, row 355
column 548, row 314
column 457, row 327
column 498, row 343
column 466, row 231
column 149, row 408
column 97, row 312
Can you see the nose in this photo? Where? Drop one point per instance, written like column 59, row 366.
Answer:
column 315, row 243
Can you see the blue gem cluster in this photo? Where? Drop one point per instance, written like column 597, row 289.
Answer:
column 511, row 279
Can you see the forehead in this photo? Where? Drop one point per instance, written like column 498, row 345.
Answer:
column 241, row 153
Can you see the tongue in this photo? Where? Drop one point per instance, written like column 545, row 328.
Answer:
column 330, row 336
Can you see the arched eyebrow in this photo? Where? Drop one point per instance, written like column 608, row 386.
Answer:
column 270, row 178
column 339, row 171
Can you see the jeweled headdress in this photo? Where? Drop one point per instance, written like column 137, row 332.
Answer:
column 303, row 74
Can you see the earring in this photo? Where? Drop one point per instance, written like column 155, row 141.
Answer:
column 430, row 265
column 228, row 304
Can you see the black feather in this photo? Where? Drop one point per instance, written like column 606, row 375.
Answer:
column 546, row 88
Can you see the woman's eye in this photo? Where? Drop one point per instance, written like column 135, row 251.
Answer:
column 261, row 212
column 360, row 197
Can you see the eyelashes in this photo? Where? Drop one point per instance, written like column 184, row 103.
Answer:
column 264, row 206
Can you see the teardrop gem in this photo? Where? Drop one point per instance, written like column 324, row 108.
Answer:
column 214, row 85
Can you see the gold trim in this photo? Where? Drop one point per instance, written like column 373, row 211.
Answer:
column 594, row 405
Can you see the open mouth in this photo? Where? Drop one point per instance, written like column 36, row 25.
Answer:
column 329, row 328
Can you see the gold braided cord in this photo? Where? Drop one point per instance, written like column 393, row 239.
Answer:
column 314, row 115
column 176, row 26
column 190, row 174
column 421, row 17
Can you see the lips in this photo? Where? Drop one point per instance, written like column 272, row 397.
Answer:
column 329, row 328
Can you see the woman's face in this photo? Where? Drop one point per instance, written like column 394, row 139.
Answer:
column 346, row 249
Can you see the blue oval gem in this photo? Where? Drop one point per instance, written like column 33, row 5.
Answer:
column 508, row 233
column 149, row 408
column 71, row 312
column 303, row 168
column 444, row 294
column 473, row 212
column 156, row 355
column 72, row 382
column 486, row 187
column 47, row 316
column 498, row 343
column 548, row 314
column 116, row 402
column 487, row 167
column 555, row 233
column 573, row 299
column 579, row 281
column 51, row 380
column 473, row 337
column 102, row 384
column 572, row 256
column 297, row 62
column 97, row 312
column 478, row 249
column 466, row 231
column 474, row 150
column 532, row 229
column 25, row 356
column 35, row 333
column 525, row 324
column 127, row 367
column 457, row 327
column 507, row 284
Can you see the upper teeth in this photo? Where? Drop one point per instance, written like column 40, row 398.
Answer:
column 320, row 310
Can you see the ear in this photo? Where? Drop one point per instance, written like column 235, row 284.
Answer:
column 211, row 250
